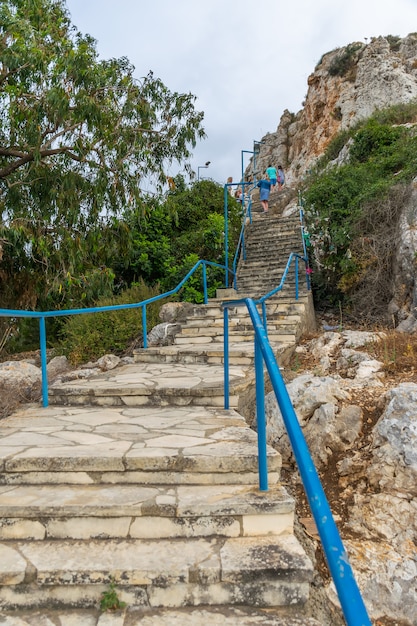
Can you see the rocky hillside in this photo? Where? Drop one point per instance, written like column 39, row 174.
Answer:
column 347, row 85
column 356, row 403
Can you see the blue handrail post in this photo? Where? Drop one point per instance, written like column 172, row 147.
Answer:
column 226, row 356
column 296, row 277
column 347, row 589
column 226, row 233
column 205, row 283
column 260, row 418
column 144, row 330
column 42, row 341
column 264, row 317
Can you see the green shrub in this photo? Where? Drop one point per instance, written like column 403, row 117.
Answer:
column 345, row 60
column 374, row 139
column 352, row 213
column 394, row 42
column 89, row 336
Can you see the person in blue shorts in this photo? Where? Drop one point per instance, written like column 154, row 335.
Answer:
column 264, row 191
column 272, row 175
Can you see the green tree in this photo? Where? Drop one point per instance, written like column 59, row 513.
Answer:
column 353, row 211
column 77, row 137
column 168, row 238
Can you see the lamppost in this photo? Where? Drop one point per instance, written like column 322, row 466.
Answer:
column 254, row 153
column 202, row 167
column 256, row 150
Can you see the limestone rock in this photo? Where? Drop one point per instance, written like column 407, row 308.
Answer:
column 108, row 362
column 394, row 464
column 19, row 378
column 175, row 311
column 57, row 366
column 163, row 334
column 379, row 74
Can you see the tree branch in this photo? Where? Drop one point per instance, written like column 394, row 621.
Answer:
column 30, row 156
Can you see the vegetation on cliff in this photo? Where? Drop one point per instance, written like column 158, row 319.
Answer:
column 352, row 206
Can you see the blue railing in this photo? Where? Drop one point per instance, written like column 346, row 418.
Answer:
column 246, row 215
column 337, row 559
column 42, row 315
column 348, row 592
column 293, row 258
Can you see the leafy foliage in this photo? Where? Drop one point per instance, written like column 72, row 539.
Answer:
column 77, row 136
column 353, row 211
column 187, row 227
column 345, row 60
column 87, row 337
column 110, row 600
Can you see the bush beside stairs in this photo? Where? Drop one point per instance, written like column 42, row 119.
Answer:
column 138, row 479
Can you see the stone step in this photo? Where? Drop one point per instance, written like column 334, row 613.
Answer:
column 241, row 354
column 270, row 225
column 263, row 571
column 280, row 247
column 287, row 290
column 119, row 445
column 268, row 257
column 153, row 385
column 188, row 616
column 244, row 322
column 103, row 511
column 263, row 279
column 276, row 332
column 270, row 253
column 284, row 241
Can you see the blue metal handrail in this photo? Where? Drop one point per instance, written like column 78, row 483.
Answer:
column 347, row 589
column 42, row 315
column 246, row 215
column 294, row 257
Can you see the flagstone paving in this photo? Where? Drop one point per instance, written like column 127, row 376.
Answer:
column 141, row 477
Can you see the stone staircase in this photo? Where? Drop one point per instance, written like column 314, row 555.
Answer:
column 138, row 478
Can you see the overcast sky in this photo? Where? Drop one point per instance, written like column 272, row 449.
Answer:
column 246, row 61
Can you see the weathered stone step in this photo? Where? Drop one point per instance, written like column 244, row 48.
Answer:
column 153, row 385
column 123, row 511
column 252, row 285
column 271, row 227
column 243, row 322
column 149, row 445
column 241, row 354
column 188, row 616
column 263, row 278
column 268, row 258
column 265, row 571
column 279, row 247
column 276, row 332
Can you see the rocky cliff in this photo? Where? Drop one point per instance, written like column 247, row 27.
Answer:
column 347, row 85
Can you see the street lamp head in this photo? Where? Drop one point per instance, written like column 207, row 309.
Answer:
column 207, row 163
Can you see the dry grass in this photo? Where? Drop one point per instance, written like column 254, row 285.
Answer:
column 397, row 351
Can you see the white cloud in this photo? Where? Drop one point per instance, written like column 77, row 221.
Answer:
column 245, row 61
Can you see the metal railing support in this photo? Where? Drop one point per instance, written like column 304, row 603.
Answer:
column 260, row 417
column 144, row 327
column 226, row 357
column 44, row 369
column 337, row 559
column 205, row 283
